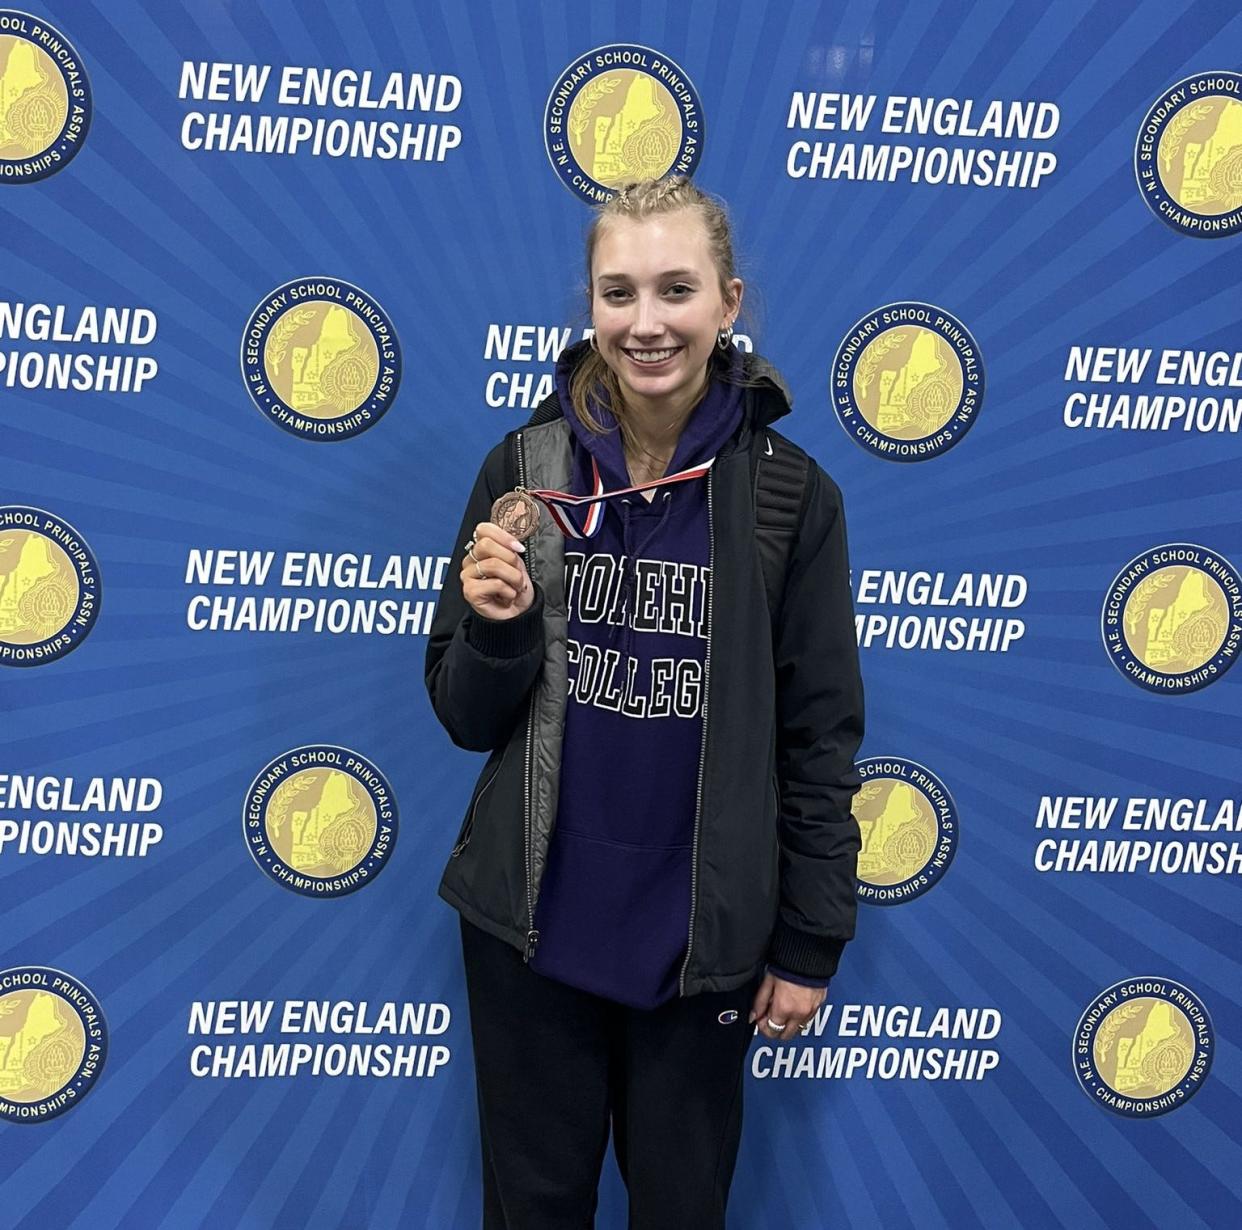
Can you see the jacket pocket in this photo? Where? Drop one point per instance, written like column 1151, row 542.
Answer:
column 467, row 827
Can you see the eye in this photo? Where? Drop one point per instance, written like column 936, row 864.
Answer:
column 608, row 294
column 682, row 286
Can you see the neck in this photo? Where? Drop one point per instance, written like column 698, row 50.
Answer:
column 657, row 424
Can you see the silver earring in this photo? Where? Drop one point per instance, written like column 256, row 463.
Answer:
column 594, row 344
column 724, row 338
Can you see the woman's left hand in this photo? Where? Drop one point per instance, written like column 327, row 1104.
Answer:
column 787, row 1003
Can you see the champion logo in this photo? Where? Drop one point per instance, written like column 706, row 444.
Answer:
column 728, row 1016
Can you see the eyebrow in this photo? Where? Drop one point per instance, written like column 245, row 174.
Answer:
column 669, row 273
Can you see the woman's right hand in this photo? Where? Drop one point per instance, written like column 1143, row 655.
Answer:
column 504, row 590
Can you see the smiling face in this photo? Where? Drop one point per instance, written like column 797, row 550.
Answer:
column 657, row 306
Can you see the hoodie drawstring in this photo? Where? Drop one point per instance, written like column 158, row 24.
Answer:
column 627, row 570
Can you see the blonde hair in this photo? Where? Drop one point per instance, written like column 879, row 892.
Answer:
column 637, row 200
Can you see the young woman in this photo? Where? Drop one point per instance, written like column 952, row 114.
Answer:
column 659, row 851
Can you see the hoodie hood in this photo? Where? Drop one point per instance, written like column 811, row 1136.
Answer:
column 726, row 407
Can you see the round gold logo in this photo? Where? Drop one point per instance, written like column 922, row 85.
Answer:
column 619, row 113
column 45, row 98
column 320, row 358
column 907, row 381
column 1143, row 1046
column 1172, row 618
column 320, row 820
column 49, row 586
column 53, row 1042
column 1188, row 156
column 909, row 828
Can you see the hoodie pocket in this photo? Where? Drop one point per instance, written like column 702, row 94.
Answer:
column 467, row 827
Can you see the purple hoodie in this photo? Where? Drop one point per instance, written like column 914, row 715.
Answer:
column 614, row 907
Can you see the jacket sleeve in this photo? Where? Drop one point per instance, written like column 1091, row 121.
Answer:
column 479, row 671
column 819, row 701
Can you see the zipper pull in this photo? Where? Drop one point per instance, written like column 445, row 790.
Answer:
column 532, row 938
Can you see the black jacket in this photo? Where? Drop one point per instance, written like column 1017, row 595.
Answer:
column 775, row 848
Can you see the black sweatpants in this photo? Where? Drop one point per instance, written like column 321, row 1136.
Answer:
column 555, row 1066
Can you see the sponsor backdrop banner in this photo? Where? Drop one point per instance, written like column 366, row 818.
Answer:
column 278, row 275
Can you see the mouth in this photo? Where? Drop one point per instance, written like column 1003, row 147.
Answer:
column 652, row 360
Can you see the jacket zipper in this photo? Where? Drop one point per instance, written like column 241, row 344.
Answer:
column 532, row 936
column 707, row 674
column 464, row 840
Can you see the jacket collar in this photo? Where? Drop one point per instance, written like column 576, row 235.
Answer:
column 771, row 398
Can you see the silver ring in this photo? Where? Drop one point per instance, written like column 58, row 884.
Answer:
column 773, row 1024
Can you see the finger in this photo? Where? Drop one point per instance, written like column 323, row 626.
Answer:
column 783, row 1011
column 490, row 589
column 491, row 532
column 500, row 561
column 491, row 568
column 486, row 545
column 488, row 548
column 784, row 1034
column 777, row 1035
column 772, row 1013
column 494, row 589
column 763, row 997
column 798, row 1018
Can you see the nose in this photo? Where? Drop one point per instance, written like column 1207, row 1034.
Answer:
column 647, row 323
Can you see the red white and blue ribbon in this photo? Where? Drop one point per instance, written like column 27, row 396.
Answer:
column 580, row 516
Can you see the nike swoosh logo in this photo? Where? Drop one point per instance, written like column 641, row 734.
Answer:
column 768, row 441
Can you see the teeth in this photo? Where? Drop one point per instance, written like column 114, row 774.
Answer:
column 652, row 356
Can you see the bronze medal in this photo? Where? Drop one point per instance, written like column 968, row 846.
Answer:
column 516, row 513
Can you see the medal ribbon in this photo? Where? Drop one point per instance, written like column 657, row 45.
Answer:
column 565, row 509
